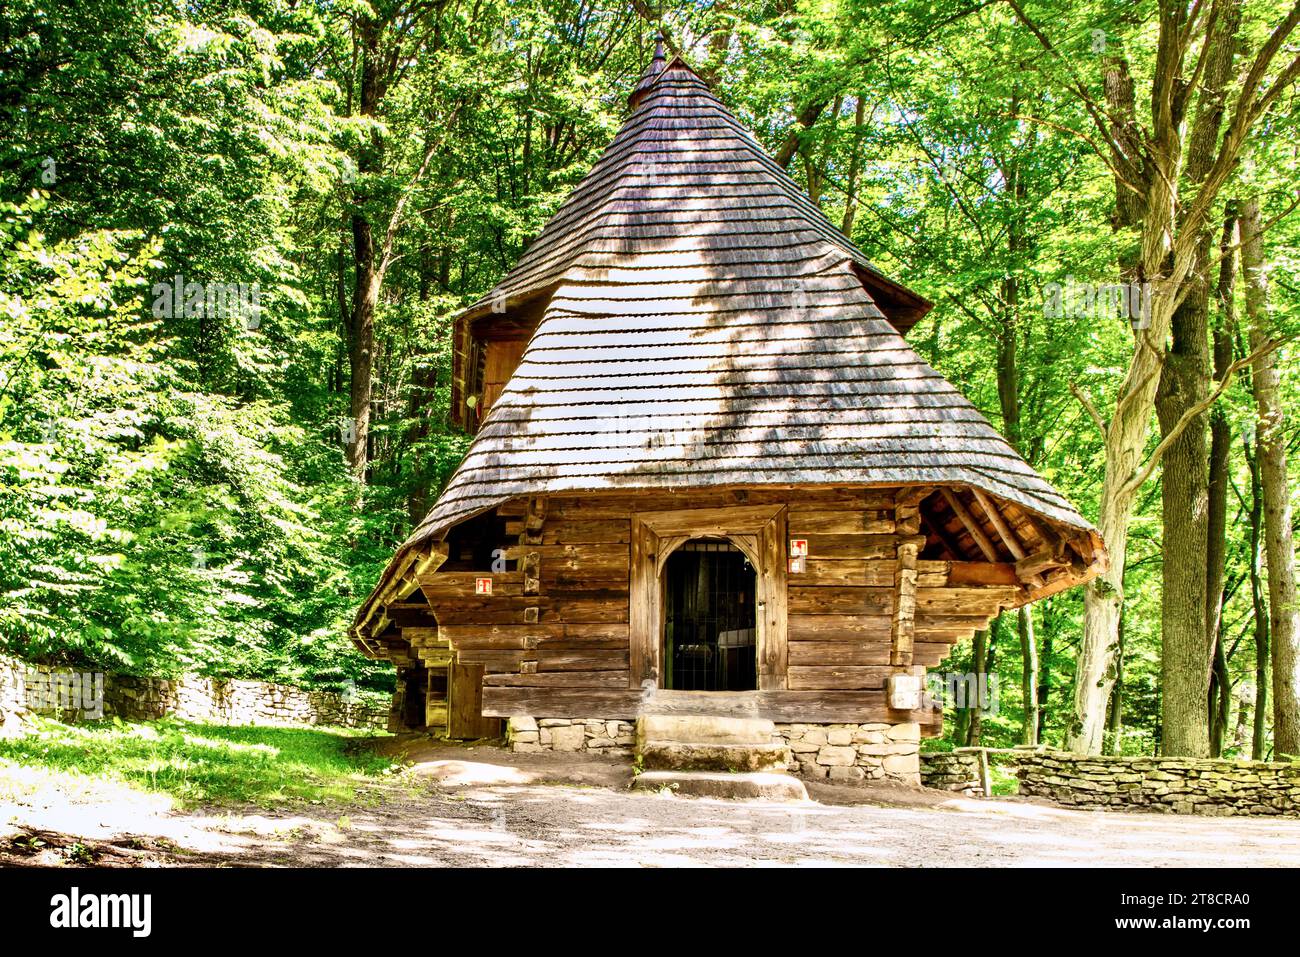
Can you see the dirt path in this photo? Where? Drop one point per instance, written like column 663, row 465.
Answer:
column 482, row 807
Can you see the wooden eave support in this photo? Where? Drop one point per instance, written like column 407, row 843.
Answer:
column 401, row 583
column 968, row 520
column 1008, row 537
column 1033, row 566
column 534, row 520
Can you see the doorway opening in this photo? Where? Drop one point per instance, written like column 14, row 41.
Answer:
column 709, row 618
column 415, row 690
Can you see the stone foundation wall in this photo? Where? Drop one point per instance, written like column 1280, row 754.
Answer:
column 1177, row 785
column 854, row 753
column 843, row 753
column 80, row 696
column 610, row 737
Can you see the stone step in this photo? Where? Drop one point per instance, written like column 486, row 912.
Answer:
column 706, row 743
column 765, row 786
column 689, row 756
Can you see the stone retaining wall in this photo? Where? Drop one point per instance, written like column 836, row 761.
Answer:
column 1177, row 785
column 957, row 771
column 78, row 696
column 611, row 737
column 1172, row 785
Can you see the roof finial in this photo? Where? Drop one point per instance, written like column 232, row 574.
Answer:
column 652, row 70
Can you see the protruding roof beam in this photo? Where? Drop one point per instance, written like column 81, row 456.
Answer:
column 1006, row 534
column 972, row 526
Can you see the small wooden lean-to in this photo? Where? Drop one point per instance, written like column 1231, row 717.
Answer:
column 709, row 475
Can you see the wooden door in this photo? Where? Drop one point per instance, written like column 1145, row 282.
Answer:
column 465, row 708
column 502, row 358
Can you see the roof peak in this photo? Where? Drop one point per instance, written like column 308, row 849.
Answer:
column 654, row 69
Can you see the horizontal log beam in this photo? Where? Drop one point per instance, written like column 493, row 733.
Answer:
column 819, row 707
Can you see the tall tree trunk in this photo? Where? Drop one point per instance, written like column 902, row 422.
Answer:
column 1149, row 169
column 1029, row 675
column 1259, row 604
column 855, row 165
column 1008, row 378
column 1241, row 734
column 1279, row 546
column 979, row 662
column 1219, row 700
column 366, row 278
column 1184, row 667
column 1186, row 651
column 961, row 727
column 1045, row 668
column 1116, row 722
column 1125, row 432
column 1220, row 690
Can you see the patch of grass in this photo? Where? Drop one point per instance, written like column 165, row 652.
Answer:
column 1004, row 780
column 205, row 763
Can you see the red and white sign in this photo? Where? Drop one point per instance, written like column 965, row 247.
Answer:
column 798, row 548
column 482, row 586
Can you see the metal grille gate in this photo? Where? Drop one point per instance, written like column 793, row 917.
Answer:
column 709, row 618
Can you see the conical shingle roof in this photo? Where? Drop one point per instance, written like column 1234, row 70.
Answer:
column 707, row 325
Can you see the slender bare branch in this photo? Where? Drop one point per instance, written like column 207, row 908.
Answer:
column 1144, row 473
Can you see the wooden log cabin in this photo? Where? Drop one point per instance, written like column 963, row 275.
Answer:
column 709, row 475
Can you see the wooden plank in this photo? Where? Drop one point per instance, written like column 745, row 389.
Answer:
column 570, row 531
column 594, row 554
column 853, row 545
column 804, row 523
column 820, row 707
column 607, row 660
column 560, row 679
column 643, row 608
column 561, row 702
column 839, row 628
column 982, row 573
column 805, row 600
column 839, row 677
column 811, row 654
column 732, row 519
column 550, row 634
column 441, row 586
column 772, row 643
column 592, row 607
column 965, row 600
column 831, row 572
column 933, row 574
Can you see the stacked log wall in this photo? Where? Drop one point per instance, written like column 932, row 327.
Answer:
column 563, row 649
